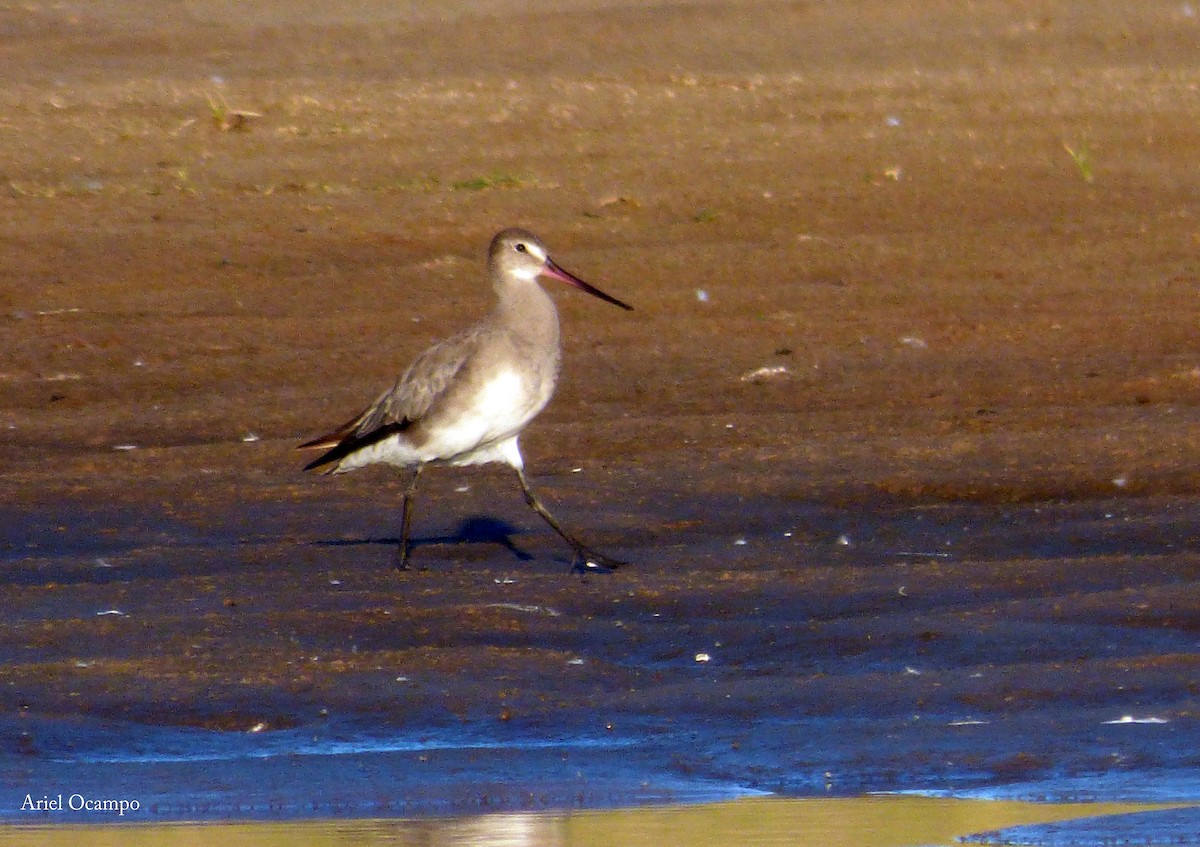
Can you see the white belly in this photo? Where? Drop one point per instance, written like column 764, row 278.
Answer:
column 485, row 428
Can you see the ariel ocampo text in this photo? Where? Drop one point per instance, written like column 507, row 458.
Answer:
column 78, row 803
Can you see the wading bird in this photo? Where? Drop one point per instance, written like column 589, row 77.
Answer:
column 466, row 400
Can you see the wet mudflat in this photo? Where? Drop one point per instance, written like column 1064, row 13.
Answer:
column 815, row 651
column 899, row 441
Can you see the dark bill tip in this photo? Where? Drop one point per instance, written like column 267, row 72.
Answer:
column 570, row 279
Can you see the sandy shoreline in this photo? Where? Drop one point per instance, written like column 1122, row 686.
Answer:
column 861, row 822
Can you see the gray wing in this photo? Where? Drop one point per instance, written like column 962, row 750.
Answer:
column 425, row 381
column 405, row 403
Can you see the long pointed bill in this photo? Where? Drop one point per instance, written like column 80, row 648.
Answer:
column 569, row 278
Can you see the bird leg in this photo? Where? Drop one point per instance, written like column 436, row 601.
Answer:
column 590, row 558
column 410, row 494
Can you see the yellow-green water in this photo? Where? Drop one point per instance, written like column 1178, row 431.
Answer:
column 761, row 822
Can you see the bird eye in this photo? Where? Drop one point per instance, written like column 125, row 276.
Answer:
column 520, row 248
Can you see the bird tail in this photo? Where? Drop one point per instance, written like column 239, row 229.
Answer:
column 332, row 439
column 345, row 441
column 330, row 442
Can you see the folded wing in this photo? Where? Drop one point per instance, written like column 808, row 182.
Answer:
column 400, row 407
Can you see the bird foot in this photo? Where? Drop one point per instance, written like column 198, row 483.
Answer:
column 591, row 561
column 401, row 559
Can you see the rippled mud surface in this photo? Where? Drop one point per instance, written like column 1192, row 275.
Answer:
column 899, row 441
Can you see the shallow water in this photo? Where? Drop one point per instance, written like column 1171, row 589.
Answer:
column 882, row 821
column 971, row 649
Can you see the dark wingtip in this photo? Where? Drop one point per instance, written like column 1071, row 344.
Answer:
column 322, row 443
column 351, row 444
column 318, row 462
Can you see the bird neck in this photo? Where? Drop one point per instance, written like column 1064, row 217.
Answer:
column 529, row 312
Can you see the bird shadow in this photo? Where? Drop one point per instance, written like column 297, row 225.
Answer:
column 478, row 529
